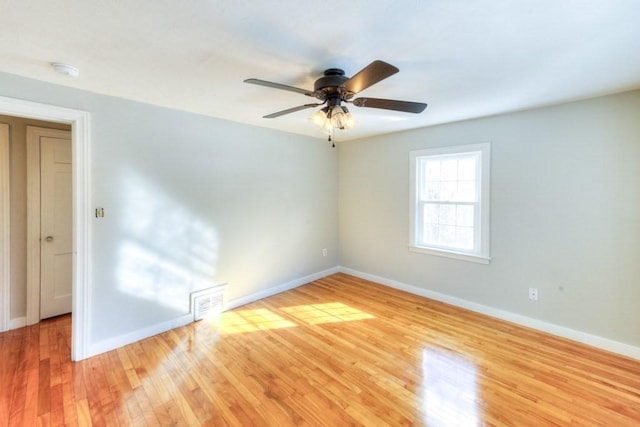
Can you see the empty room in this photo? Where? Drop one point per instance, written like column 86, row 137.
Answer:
column 340, row 213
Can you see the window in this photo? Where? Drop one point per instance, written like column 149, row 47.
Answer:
column 450, row 202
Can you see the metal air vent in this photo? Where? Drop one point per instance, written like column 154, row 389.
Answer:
column 207, row 302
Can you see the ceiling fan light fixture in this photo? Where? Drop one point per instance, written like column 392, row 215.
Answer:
column 341, row 118
column 319, row 117
column 322, row 119
column 331, row 118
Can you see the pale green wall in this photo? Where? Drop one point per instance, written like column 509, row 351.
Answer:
column 565, row 214
column 192, row 201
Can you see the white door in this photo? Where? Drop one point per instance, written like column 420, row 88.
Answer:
column 55, row 226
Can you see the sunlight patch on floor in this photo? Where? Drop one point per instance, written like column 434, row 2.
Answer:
column 262, row 319
column 240, row 321
column 333, row 312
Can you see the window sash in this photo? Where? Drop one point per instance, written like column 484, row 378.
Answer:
column 422, row 193
column 473, row 246
column 440, row 244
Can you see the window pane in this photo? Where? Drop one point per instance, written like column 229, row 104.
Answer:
column 467, row 169
column 449, row 170
column 447, row 235
column 433, row 190
column 464, row 216
column 447, row 225
column 432, row 169
column 431, row 214
column 430, row 234
column 466, row 191
column 448, row 180
column 464, row 238
column 448, row 214
column 449, row 190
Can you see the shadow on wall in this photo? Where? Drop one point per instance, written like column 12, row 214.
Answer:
column 166, row 251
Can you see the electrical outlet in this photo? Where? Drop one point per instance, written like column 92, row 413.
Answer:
column 324, row 252
column 533, row 294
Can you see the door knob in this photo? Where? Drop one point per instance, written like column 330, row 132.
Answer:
column 49, row 238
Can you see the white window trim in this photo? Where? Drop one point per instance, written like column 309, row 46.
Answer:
column 483, row 255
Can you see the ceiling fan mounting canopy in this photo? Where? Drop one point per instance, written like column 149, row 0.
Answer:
column 334, row 87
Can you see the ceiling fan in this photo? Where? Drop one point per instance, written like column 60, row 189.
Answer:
column 334, row 88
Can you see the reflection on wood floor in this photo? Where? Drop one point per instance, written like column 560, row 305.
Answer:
column 339, row 351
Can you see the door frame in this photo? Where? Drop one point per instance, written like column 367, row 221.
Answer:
column 5, row 213
column 81, row 182
column 33, row 217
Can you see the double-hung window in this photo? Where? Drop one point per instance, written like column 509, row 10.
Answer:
column 450, row 202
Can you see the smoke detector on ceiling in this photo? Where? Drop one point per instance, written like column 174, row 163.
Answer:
column 65, row 69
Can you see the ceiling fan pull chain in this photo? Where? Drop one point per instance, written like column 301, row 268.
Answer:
column 333, row 144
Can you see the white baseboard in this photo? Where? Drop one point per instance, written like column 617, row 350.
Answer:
column 18, row 322
column 237, row 302
column 131, row 337
column 583, row 337
column 561, row 331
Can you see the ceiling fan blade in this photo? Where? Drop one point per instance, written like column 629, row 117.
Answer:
column 370, row 75
column 390, row 104
column 290, row 110
column 279, row 86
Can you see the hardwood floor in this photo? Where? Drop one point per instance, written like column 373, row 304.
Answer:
column 339, row 351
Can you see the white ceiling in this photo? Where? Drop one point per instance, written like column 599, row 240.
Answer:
column 465, row 58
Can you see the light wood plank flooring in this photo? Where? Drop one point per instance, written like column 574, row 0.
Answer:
column 339, row 351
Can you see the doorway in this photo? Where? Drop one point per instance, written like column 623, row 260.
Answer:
column 81, row 208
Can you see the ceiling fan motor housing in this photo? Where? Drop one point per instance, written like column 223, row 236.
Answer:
column 329, row 87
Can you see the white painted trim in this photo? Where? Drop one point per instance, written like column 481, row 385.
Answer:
column 18, row 322
column 483, row 182
column 34, row 133
column 5, row 228
column 140, row 334
column 561, row 331
column 81, row 142
column 237, row 302
column 451, row 254
column 131, row 337
column 81, row 149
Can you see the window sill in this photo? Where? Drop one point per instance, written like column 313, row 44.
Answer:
column 451, row 254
